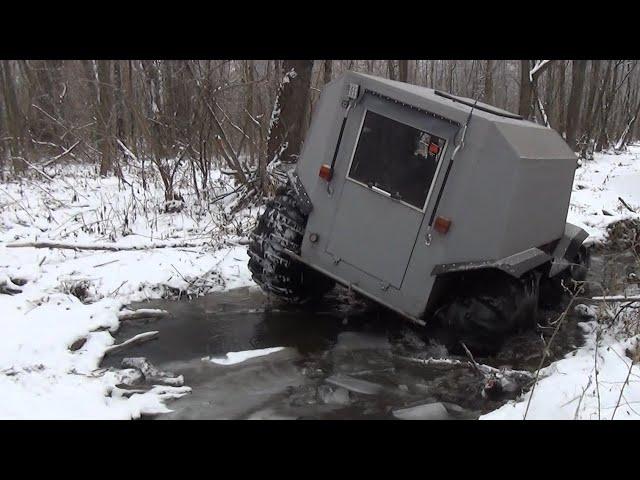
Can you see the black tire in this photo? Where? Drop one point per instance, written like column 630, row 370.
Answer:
column 280, row 227
column 488, row 307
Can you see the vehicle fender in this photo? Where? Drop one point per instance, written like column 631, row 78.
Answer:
column 566, row 248
column 515, row 265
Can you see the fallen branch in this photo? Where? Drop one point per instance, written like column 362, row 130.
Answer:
column 496, row 381
column 473, row 360
column 58, row 157
column 626, row 205
column 135, row 340
column 18, row 203
column 142, row 313
column 100, row 246
column 8, row 288
column 106, row 263
column 481, row 367
column 151, row 373
column 617, row 298
column 546, row 351
column 51, row 179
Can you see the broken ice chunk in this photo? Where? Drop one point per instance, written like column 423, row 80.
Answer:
column 428, row 411
column 237, row 357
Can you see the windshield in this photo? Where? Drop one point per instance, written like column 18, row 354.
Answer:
column 396, row 158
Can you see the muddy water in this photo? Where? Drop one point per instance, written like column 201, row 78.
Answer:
column 341, row 359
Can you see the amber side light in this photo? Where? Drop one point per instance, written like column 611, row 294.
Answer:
column 325, row 172
column 442, row 224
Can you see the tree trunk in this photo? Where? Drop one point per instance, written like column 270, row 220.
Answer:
column 391, row 69
column 286, row 132
column 327, row 71
column 605, row 108
column 13, row 118
column 561, row 101
column 589, row 115
column 104, row 114
column 403, row 70
column 432, row 74
column 488, row 82
column 526, row 90
column 578, row 69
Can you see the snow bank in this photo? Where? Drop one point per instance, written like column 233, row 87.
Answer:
column 72, row 295
column 597, row 381
column 598, row 187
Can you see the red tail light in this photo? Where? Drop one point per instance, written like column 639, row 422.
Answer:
column 325, row 172
column 434, row 148
column 442, row 224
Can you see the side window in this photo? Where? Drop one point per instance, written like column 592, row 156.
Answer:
column 396, row 158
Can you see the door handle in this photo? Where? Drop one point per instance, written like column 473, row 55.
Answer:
column 379, row 190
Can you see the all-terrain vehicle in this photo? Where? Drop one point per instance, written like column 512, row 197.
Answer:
column 447, row 210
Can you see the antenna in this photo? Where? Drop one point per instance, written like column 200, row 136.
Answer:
column 460, row 144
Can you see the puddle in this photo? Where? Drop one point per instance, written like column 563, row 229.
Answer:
column 339, row 361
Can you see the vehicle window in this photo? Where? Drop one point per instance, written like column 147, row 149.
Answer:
column 396, row 158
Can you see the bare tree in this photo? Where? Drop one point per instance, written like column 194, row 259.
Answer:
column 104, row 115
column 391, row 69
column 327, row 71
column 165, row 118
column 285, row 133
column 488, row 81
column 403, row 70
column 578, row 69
column 529, row 74
column 14, row 117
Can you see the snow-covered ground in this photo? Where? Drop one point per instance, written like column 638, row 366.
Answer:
column 76, row 294
column 40, row 377
column 599, row 185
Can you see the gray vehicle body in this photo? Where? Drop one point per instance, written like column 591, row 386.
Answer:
column 506, row 193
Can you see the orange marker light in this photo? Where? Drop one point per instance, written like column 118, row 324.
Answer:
column 442, row 224
column 325, row 172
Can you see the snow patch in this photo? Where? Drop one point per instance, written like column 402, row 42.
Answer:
column 73, row 297
column 233, row 358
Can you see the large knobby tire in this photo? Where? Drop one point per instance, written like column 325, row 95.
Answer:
column 485, row 309
column 281, row 227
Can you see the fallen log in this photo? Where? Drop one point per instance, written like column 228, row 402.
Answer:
column 100, row 246
column 135, row 340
